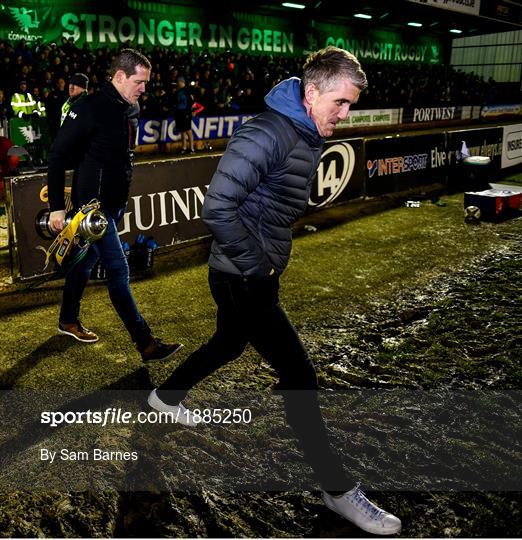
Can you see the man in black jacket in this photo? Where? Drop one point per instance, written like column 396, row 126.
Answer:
column 78, row 88
column 96, row 139
column 261, row 186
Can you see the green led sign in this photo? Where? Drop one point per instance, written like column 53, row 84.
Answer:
column 149, row 24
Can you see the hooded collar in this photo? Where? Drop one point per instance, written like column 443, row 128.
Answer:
column 285, row 98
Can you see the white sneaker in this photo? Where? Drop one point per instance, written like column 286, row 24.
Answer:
column 355, row 507
column 181, row 415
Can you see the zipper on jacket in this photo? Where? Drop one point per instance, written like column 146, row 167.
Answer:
column 129, row 128
column 259, row 205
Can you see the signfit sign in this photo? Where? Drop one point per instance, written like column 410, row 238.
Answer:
column 152, row 131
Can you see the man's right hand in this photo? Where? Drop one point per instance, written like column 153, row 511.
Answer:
column 57, row 221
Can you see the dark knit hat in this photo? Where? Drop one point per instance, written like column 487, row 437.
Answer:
column 79, row 79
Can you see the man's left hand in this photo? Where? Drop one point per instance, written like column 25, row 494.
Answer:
column 57, row 221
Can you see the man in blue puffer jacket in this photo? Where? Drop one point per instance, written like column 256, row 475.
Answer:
column 261, row 187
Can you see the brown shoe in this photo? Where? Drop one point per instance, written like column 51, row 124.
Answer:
column 78, row 332
column 157, row 350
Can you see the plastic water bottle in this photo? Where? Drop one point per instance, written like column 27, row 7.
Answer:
column 98, row 271
column 150, row 247
column 140, row 253
column 126, row 251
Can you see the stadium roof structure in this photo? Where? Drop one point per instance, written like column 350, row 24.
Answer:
column 495, row 15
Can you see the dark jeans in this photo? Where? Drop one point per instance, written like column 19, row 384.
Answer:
column 249, row 311
column 108, row 249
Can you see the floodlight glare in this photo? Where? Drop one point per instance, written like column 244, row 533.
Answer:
column 456, row 31
column 362, row 16
column 292, row 5
column 415, row 24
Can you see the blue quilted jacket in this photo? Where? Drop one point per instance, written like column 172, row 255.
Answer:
column 261, row 186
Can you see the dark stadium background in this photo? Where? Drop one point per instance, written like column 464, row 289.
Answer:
column 406, row 300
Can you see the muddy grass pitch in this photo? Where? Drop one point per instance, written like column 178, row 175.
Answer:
column 409, row 299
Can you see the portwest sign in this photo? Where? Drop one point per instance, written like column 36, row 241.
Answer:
column 430, row 114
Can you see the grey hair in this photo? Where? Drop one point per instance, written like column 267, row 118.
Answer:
column 324, row 69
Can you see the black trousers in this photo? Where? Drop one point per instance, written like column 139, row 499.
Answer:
column 249, row 312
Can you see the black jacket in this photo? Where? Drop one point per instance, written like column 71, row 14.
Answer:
column 262, row 185
column 96, row 140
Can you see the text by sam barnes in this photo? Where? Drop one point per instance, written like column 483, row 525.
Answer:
column 95, row 454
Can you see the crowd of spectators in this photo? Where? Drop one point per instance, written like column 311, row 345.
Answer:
column 223, row 82
column 406, row 85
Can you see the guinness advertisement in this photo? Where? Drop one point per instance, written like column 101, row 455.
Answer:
column 398, row 163
column 166, row 199
column 165, row 203
column 167, row 196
